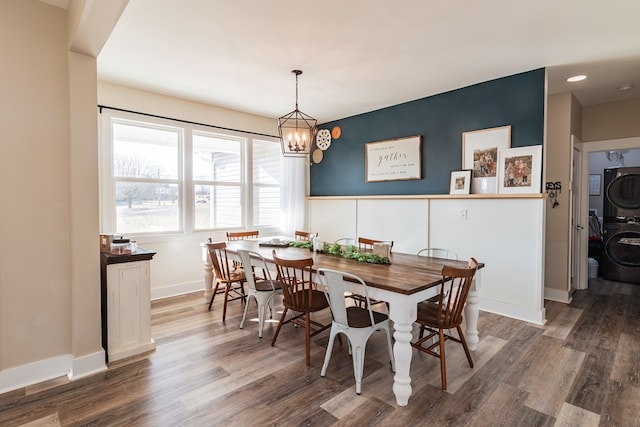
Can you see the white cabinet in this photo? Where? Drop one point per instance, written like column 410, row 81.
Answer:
column 126, row 305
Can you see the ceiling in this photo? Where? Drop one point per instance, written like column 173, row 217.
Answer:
column 362, row 55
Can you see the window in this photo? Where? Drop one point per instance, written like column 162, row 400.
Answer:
column 163, row 176
column 145, row 174
column 217, row 178
column 266, row 183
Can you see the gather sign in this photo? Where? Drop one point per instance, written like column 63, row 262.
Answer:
column 396, row 159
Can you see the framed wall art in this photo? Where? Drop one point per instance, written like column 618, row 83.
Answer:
column 394, row 159
column 520, row 170
column 480, row 154
column 460, row 182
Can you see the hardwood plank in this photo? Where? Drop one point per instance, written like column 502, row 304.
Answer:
column 626, row 365
column 561, row 325
column 505, row 407
column 572, row 416
column 547, row 372
column 621, row 406
column 590, row 385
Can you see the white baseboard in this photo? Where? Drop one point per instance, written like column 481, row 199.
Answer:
column 87, row 365
column 177, row 289
column 42, row 370
column 527, row 314
column 48, row 369
column 557, row 295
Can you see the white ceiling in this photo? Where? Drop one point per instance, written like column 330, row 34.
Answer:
column 362, row 55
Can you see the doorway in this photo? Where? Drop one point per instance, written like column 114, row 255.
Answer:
column 597, row 148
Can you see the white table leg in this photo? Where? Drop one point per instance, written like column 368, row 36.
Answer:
column 208, row 273
column 403, row 318
column 471, row 316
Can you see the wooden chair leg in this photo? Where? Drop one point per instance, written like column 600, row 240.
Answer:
column 307, row 326
column 466, row 348
column 443, row 363
column 275, row 335
column 226, row 298
column 215, row 290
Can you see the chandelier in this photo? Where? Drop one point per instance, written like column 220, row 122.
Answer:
column 297, row 130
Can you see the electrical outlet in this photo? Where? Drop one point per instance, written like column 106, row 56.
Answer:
column 463, row 214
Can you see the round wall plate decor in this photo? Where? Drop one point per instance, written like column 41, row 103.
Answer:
column 336, row 132
column 317, row 155
column 323, row 139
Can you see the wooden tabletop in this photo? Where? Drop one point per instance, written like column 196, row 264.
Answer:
column 407, row 274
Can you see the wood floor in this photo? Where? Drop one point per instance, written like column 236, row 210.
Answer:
column 581, row 369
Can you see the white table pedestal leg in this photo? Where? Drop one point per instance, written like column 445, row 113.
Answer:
column 402, row 353
column 471, row 319
column 208, row 273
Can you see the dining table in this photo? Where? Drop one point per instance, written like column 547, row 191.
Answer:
column 406, row 281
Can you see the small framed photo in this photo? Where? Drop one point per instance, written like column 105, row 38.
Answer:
column 460, row 182
column 520, row 170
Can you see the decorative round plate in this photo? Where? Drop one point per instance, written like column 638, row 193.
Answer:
column 336, row 132
column 323, row 139
column 317, row 155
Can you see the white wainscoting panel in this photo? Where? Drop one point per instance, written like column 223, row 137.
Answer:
column 402, row 220
column 333, row 219
column 505, row 234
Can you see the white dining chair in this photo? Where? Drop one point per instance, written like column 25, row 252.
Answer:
column 356, row 323
column 263, row 290
column 438, row 253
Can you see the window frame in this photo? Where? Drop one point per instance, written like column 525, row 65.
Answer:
column 185, row 181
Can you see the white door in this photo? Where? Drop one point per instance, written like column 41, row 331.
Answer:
column 579, row 228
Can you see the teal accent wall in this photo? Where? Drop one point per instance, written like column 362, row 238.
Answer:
column 516, row 100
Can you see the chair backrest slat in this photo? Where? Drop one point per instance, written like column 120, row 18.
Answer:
column 218, row 255
column 456, row 284
column 242, row 235
column 367, row 244
column 304, row 236
column 296, row 279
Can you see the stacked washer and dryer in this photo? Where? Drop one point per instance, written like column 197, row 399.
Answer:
column 621, row 226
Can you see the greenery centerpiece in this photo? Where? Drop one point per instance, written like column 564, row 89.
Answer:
column 305, row 244
column 351, row 252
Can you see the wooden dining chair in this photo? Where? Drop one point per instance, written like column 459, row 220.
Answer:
column 242, row 235
column 302, row 236
column 365, row 244
column 263, row 290
column 445, row 314
column 300, row 295
column 231, row 280
column 357, row 323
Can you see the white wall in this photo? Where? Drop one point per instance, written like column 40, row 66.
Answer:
column 507, row 234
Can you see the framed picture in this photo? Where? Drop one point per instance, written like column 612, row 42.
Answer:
column 594, row 184
column 520, row 170
column 480, row 154
column 460, row 182
column 394, row 160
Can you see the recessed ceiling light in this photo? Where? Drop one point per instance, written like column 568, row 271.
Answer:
column 626, row 87
column 577, row 78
